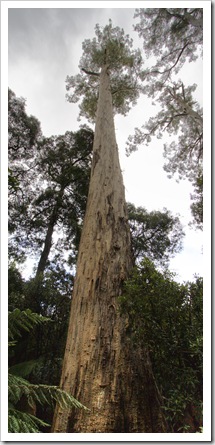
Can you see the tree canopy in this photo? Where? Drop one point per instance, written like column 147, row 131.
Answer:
column 155, row 235
column 111, row 47
column 51, row 185
column 173, row 36
column 24, row 134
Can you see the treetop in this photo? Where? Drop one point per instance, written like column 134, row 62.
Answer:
column 114, row 48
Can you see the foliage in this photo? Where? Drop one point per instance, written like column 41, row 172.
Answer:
column 65, row 163
column 16, row 296
column 172, row 36
column 23, row 395
column 49, row 197
column 23, row 130
column 180, row 114
column 13, row 183
column 25, row 369
column 165, row 318
column 19, row 388
column 113, row 48
column 23, row 320
column 24, row 134
column 20, row 422
column 197, row 202
column 156, row 235
column 50, row 295
column 42, row 394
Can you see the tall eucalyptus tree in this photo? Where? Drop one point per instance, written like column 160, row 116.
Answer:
column 100, row 368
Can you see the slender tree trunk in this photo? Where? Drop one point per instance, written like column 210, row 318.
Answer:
column 100, row 367
column 46, row 250
column 48, row 240
column 35, row 295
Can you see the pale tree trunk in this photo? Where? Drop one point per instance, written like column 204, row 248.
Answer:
column 100, row 367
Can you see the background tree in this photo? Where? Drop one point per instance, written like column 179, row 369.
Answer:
column 155, row 235
column 99, row 365
column 48, row 181
column 65, row 162
column 63, row 167
column 165, row 318
column 24, row 135
column 197, row 201
column 173, row 36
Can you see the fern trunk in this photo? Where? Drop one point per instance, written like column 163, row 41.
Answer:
column 100, row 367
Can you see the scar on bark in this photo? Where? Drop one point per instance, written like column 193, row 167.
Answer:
column 96, row 158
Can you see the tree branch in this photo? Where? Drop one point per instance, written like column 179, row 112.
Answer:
column 175, row 63
column 91, row 73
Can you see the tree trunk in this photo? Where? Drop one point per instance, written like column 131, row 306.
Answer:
column 48, row 240
column 100, row 367
column 35, row 303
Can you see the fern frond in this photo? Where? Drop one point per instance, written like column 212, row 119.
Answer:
column 42, row 394
column 66, row 400
column 19, row 422
column 23, row 320
column 12, row 343
column 17, row 387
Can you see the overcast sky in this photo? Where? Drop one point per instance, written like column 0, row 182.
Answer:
column 45, row 46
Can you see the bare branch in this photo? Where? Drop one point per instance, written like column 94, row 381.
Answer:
column 91, row 73
column 173, row 66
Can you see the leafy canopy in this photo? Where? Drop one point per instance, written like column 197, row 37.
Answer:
column 111, row 47
column 52, row 189
column 155, row 235
column 24, row 135
column 172, row 35
column 180, row 115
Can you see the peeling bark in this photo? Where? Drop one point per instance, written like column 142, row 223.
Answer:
column 100, row 367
